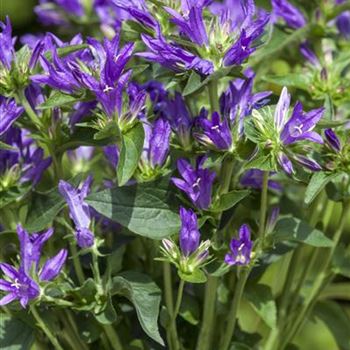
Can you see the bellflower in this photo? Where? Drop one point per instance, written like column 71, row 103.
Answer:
column 281, row 132
column 192, row 254
column 31, row 246
column 7, row 44
column 9, row 112
column 79, row 211
column 241, row 248
column 157, row 142
column 226, row 40
column 309, row 55
column 290, row 14
column 172, row 56
column 343, row 21
column 23, row 283
column 216, row 132
column 180, row 119
column 25, row 162
column 196, row 183
column 332, row 140
column 189, row 233
column 238, row 100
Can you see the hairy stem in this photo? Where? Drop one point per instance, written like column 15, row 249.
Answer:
column 45, row 329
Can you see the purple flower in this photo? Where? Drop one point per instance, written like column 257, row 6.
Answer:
column 53, row 266
column 215, row 132
column 25, row 157
column 292, row 16
column 31, row 246
column 189, row 233
column 79, row 211
column 238, row 100
column 254, row 178
column 299, row 127
column 173, row 56
column 343, row 21
column 332, row 140
column 180, row 119
column 157, row 142
column 309, row 54
column 18, row 285
column 9, row 112
column 240, row 249
column 111, row 152
column 7, row 50
column 196, row 183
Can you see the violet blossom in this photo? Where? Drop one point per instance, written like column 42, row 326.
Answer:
column 290, row 14
column 241, row 248
column 189, row 234
column 9, row 113
column 79, row 210
column 196, row 183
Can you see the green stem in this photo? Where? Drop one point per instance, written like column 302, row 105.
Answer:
column 319, row 283
column 45, row 329
column 208, row 327
column 178, row 299
column 112, row 337
column 263, row 207
column 169, row 303
column 73, row 330
column 232, row 315
column 213, row 96
column 29, row 110
column 76, row 262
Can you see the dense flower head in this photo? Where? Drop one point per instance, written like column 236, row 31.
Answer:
column 24, row 162
column 196, row 183
column 79, row 211
column 238, row 100
column 23, row 283
column 282, row 131
column 241, row 248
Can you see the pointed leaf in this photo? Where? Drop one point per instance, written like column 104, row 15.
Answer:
column 145, row 295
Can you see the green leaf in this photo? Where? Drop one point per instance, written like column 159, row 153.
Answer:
column 13, row 194
column 84, row 297
column 339, row 291
column 148, row 209
column 301, row 81
column 58, row 99
column 262, row 162
column 43, row 210
column 232, row 71
column 193, row 84
column 108, row 314
column 130, row 153
column 317, row 182
column 293, row 229
column 45, row 207
column 341, row 261
column 337, row 321
column 197, row 276
column 110, row 131
column 262, row 301
column 145, row 295
column 189, row 309
column 6, row 147
column 228, row 200
column 15, row 334
column 64, row 51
